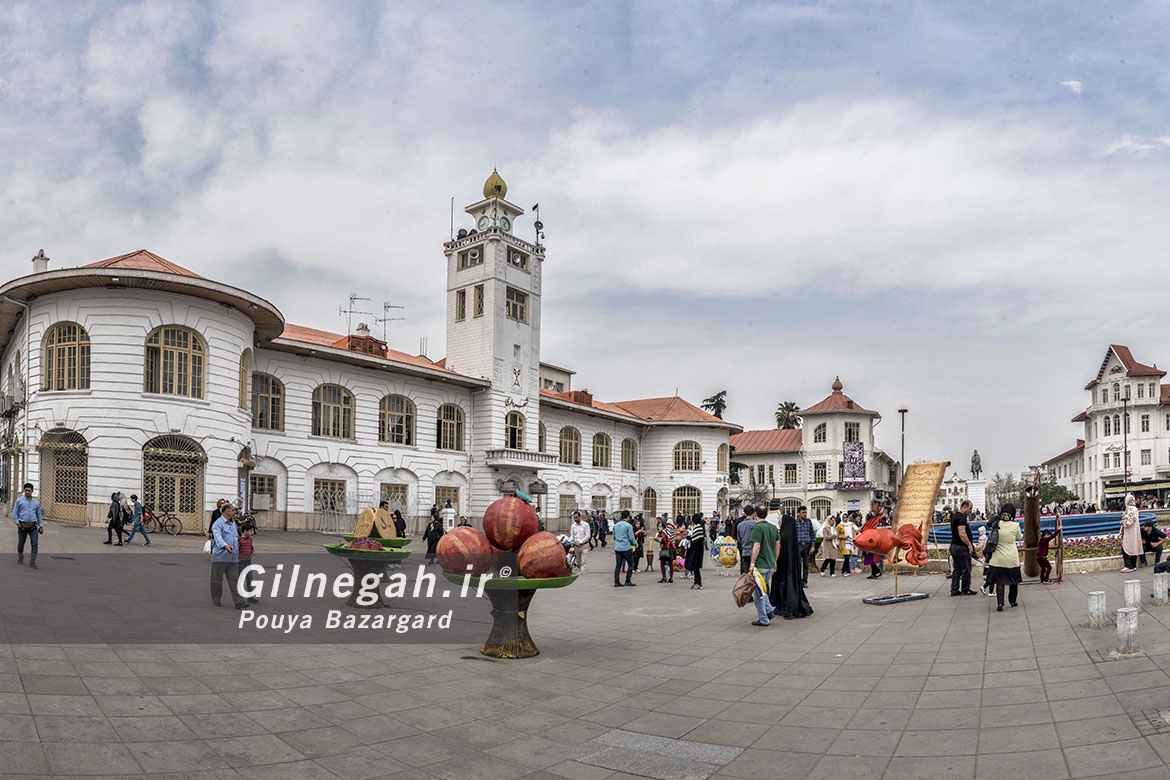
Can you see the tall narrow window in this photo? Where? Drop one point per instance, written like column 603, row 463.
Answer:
column 721, row 459
column 477, row 308
column 245, row 372
column 790, row 474
column 820, row 473
column 449, row 428
column 396, row 420
column 852, row 431
column 629, row 455
column 66, row 357
column 174, row 362
column 460, row 305
column 570, row 446
column 514, row 431
column 688, row 456
column 267, row 402
column 540, row 438
column 1109, row 425
column 601, row 450
column 332, row 412
column 650, row 502
column 821, row 433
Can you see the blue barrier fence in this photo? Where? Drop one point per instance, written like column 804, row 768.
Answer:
column 1097, row 524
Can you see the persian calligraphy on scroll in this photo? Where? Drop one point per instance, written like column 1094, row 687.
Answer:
column 918, row 494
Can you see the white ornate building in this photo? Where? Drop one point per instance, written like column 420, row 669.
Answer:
column 1126, row 427
column 808, row 466
column 134, row 374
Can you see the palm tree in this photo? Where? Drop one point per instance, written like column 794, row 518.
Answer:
column 716, row 404
column 787, row 416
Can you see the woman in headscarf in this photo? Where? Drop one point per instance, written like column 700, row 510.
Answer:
column 1004, row 564
column 786, row 591
column 399, row 524
column 829, row 548
column 1131, row 534
column 695, row 553
column 432, row 536
column 114, row 520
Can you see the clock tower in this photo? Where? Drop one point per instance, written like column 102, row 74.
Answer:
column 493, row 333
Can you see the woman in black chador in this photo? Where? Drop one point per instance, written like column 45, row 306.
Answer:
column 787, row 592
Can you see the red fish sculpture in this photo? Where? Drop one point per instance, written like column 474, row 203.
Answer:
column 882, row 541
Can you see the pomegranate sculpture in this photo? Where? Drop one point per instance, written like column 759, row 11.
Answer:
column 541, row 556
column 509, row 521
column 364, row 543
column 465, row 550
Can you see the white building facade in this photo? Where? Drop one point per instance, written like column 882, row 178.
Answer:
column 134, row 374
column 829, row 465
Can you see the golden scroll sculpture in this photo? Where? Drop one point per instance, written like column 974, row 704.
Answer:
column 916, row 500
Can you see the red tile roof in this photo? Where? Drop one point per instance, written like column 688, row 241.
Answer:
column 1080, row 417
column 324, row 338
column 672, row 409
column 1165, row 394
column 774, row 440
column 1079, row 446
column 143, row 260
column 1131, row 366
column 837, row 402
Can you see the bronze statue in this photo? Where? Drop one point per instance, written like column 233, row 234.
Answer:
column 976, row 465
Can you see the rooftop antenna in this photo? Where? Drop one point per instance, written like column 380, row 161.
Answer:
column 538, row 225
column 422, row 346
column 452, row 217
column 348, row 313
column 386, row 307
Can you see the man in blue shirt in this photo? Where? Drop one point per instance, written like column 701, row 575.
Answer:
column 623, row 549
column 225, row 556
column 804, row 540
column 30, row 524
column 743, row 534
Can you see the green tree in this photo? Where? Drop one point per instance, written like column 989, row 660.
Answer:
column 787, row 415
column 1052, row 493
column 716, row 404
column 1003, row 488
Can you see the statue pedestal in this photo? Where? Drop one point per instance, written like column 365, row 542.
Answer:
column 977, row 494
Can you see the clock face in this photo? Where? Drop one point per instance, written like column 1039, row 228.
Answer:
column 484, row 222
column 506, row 224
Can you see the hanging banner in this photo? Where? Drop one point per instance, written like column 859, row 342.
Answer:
column 854, row 457
column 917, row 496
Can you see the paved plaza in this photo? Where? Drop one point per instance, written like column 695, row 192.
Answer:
column 656, row 681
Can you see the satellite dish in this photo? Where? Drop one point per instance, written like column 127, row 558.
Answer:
column 462, row 233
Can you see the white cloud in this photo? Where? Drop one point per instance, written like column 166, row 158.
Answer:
column 1075, row 87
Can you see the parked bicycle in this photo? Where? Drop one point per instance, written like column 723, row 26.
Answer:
column 161, row 521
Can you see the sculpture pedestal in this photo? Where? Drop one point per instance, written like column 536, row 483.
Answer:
column 510, row 599
column 365, row 562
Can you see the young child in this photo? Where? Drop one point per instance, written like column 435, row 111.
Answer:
column 247, row 531
column 1042, row 555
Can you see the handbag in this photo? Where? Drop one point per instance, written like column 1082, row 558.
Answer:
column 207, row 547
column 992, row 541
column 743, row 589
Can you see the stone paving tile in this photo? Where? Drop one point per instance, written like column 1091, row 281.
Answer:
column 1121, row 757
column 835, row 767
column 95, row 759
column 1039, row 764
column 24, row 759
column 361, row 763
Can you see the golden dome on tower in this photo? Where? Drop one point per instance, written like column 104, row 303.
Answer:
column 495, row 187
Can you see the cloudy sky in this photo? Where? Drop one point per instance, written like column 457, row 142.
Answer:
column 954, row 207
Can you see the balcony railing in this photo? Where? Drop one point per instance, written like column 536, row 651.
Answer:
column 506, row 457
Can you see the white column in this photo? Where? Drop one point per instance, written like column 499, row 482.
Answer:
column 1127, row 627
column 1162, row 588
column 1133, row 593
column 1097, row 609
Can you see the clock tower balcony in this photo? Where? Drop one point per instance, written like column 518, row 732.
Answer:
column 506, row 458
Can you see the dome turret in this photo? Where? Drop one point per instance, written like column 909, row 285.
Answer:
column 495, row 187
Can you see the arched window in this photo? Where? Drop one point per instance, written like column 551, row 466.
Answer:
column 601, row 450
column 396, row 420
column 449, row 428
column 267, row 402
column 66, row 357
column 629, row 455
column 570, row 446
column 1116, row 423
column 686, row 500
column 649, row 502
column 1108, row 426
column 721, row 458
column 540, row 438
column 821, row 433
column 174, row 362
column 332, row 412
column 688, row 456
column 514, row 431
column 245, row 371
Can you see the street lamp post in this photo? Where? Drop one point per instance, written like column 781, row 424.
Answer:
column 1125, row 446
column 902, row 463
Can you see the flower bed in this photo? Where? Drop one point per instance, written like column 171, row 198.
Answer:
column 1074, row 548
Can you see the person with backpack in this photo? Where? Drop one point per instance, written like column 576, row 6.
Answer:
column 136, row 522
